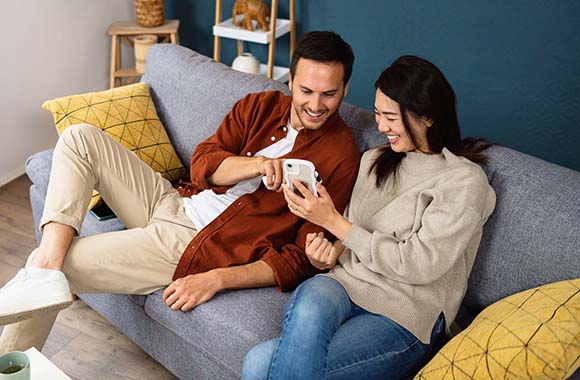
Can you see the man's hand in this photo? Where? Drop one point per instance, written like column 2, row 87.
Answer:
column 186, row 293
column 321, row 253
column 272, row 169
column 235, row 169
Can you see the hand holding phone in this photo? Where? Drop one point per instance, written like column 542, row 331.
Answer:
column 301, row 170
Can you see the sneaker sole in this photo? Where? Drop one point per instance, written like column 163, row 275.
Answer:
column 23, row 315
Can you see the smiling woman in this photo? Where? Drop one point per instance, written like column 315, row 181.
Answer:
column 412, row 227
column 415, row 108
column 390, row 122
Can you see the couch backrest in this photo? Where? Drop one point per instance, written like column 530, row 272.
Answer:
column 193, row 93
column 533, row 236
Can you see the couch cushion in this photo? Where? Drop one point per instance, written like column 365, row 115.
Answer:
column 126, row 114
column 193, row 93
column 185, row 360
column 533, row 236
column 227, row 326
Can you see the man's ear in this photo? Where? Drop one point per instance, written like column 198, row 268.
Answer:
column 290, row 81
column 346, row 88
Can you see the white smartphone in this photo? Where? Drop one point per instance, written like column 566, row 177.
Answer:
column 303, row 171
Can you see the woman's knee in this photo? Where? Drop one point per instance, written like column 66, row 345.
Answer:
column 258, row 360
column 318, row 297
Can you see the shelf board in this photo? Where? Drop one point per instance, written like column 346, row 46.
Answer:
column 131, row 28
column 280, row 73
column 227, row 29
column 127, row 72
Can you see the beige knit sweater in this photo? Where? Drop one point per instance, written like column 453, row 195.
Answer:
column 412, row 245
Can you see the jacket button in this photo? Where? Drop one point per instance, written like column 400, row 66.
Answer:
column 284, row 129
column 249, row 154
column 273, row 138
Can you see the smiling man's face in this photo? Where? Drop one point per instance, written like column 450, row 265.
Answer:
column 317, row 91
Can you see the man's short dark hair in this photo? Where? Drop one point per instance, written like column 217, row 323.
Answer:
column 325, row 47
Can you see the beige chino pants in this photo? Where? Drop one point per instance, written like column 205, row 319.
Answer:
column 138, row 260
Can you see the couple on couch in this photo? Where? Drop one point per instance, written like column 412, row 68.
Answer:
column 395, row 264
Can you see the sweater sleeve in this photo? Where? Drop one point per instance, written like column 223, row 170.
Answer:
column 445, row 234
column 291, row 265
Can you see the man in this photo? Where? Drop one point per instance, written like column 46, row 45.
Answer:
column 229, row 228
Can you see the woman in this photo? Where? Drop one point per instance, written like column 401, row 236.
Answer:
column 406, row 244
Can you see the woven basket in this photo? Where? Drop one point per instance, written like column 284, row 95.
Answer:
column 150, row 13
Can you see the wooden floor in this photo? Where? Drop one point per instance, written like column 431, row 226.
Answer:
column 82, row 343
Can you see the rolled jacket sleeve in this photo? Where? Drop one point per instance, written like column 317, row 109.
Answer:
column 290, row 264
column 224, row 143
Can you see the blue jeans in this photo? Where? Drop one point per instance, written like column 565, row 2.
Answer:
column 326, row 336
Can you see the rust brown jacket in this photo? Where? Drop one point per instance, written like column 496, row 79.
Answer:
column 259, row 226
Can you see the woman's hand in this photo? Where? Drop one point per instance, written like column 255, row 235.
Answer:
column 321, row 253
column 319, row 209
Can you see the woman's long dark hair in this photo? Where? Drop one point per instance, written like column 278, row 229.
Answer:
column 421, row 89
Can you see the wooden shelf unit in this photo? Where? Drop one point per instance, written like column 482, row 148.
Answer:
column 123, row 31
column 278, row 28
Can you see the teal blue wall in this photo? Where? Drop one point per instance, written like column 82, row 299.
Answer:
column 515, row 65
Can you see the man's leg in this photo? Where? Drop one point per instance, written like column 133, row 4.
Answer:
column 85, row 158
column 134, row 261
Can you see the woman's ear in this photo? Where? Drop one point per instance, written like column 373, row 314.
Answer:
column 426, row 121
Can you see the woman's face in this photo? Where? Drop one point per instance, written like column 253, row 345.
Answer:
column 390, row 122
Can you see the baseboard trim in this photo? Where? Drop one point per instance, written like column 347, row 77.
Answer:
column 9, row 177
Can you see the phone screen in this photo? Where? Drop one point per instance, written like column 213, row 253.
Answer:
column 302, row 171
column 102, row 211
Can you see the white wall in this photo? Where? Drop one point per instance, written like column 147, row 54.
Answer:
column 50, row 48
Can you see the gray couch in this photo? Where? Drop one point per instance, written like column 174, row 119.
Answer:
column 531, row 239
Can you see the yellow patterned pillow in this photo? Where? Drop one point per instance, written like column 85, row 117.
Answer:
column 534, row 334
column 128, row 115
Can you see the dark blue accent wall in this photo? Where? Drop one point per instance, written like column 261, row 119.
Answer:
column 515, row 65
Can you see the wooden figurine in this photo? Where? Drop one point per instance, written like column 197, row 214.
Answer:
column 251, row 10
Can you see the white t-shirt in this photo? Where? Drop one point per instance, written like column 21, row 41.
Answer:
column 205, row 206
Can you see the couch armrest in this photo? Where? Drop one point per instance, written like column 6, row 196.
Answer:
column 38, row 169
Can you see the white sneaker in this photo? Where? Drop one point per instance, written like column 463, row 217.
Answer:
column 33, row 291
